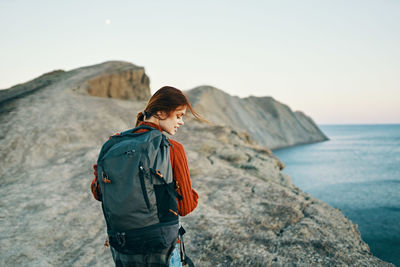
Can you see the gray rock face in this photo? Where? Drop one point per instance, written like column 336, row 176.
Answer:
column 31, row 86
column 267, row 121
column 249, row 213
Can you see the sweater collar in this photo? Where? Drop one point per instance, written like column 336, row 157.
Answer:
column 150, row 124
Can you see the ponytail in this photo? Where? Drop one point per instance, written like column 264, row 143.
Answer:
column 139, row 118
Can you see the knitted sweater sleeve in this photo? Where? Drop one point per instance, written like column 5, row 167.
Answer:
column 181, row 175
column 94, row 186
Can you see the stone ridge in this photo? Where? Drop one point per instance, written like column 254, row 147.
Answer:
column 111, row 79
column 267, row 121
column 30, row 86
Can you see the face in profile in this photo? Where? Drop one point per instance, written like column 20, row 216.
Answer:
column 175, row 119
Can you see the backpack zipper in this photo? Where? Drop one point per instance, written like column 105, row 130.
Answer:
column 143, row 186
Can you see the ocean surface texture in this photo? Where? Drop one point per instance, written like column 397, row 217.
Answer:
column 357, row 171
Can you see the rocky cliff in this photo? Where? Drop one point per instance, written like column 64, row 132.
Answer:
column 249, row 213
column 115, row 79
column 267, row 121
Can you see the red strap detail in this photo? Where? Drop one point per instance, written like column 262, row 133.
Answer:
column 114, row 135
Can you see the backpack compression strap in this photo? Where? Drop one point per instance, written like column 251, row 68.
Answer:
column 184, row 258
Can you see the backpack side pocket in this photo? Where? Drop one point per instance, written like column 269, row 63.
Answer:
column 166, row 204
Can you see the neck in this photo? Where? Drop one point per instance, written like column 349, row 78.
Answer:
column 153, row 119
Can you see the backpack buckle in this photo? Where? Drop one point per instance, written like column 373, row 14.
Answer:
column 159, row 174
column 105, row 178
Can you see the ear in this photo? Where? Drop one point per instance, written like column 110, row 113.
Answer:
column 162, row 114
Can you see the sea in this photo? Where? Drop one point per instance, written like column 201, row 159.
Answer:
column 357, row 171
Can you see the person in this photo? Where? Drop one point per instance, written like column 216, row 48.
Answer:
column 165, row 112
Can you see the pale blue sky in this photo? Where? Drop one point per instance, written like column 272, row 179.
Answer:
column 337, row 61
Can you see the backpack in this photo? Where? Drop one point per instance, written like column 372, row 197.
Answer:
column 138, row 191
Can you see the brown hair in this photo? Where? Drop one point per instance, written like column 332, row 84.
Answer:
column 166, row 99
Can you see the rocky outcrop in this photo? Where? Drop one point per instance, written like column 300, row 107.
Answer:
column 267, row 121
column 249, row 213
column 111, row 79
column 119, row 85
column 115, row 79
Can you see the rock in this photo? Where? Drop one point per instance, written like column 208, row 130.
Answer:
column 115, row 79
column 256, row 216
column 30, row 86
column 268, row 122
column 249, row 213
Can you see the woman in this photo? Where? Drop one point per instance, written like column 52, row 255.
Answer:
column 164, row 111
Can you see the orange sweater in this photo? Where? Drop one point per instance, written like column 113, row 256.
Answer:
column 180, row 170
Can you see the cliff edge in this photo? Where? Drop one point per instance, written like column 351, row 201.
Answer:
column 267, row 121
column 249, row 212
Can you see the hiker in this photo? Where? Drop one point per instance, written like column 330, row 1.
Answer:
column 164, row 112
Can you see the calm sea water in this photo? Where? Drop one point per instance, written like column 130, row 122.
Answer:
column 357, row 171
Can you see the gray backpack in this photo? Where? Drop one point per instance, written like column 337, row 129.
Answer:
column 138, row 191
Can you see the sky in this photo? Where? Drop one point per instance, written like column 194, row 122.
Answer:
column 337, row 61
